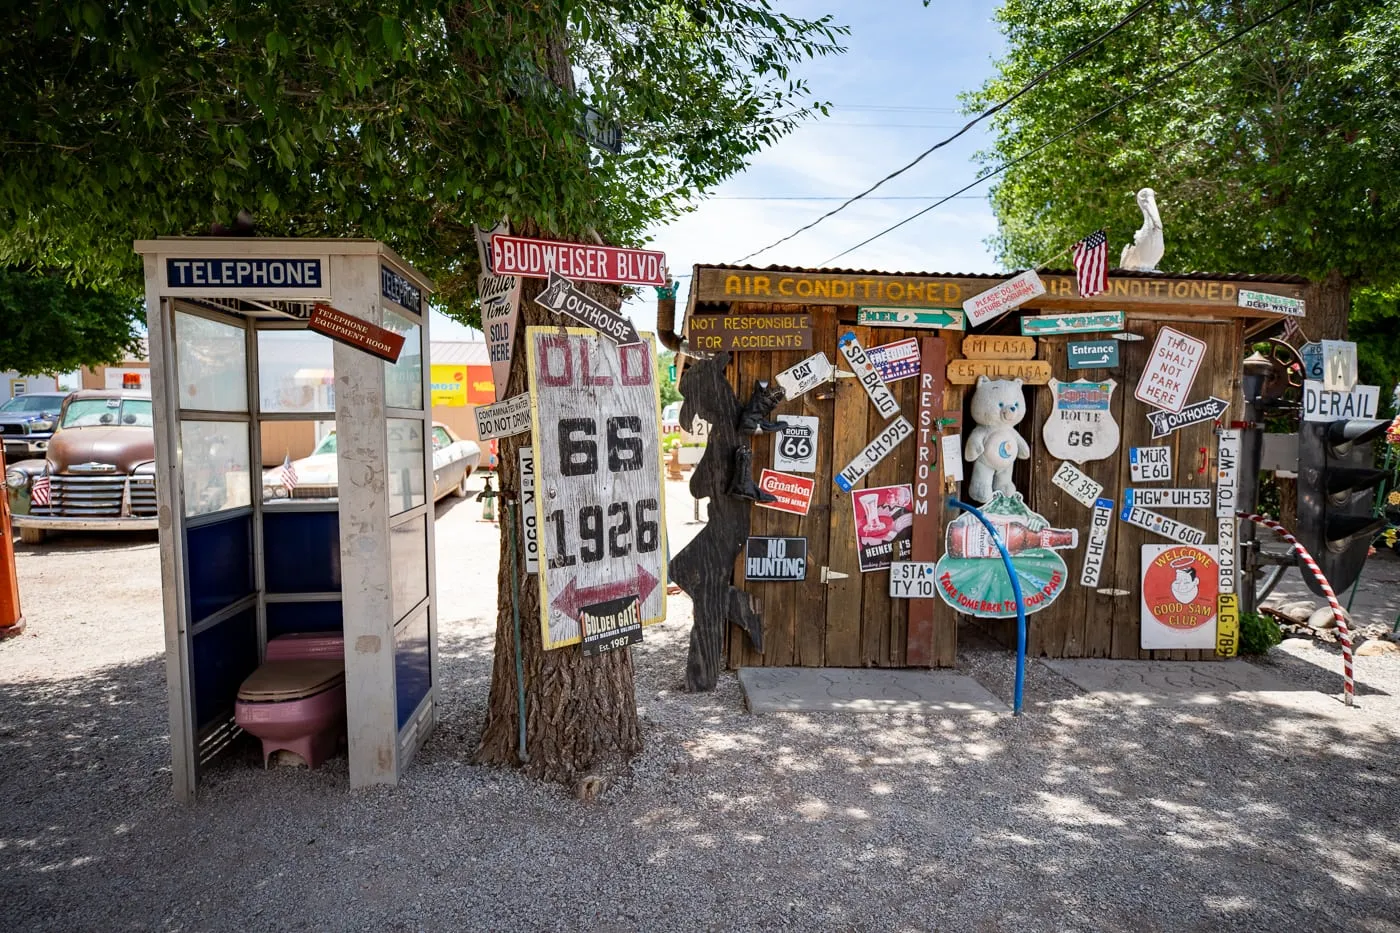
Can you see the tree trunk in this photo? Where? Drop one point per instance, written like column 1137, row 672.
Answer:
column 580, row 713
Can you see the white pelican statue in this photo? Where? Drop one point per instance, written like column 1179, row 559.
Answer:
column 1143, row 254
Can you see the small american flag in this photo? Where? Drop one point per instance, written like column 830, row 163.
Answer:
column 289, row 474
column 39, row 491
column 1091, row 262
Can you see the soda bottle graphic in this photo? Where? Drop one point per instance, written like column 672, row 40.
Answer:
column 971, row 539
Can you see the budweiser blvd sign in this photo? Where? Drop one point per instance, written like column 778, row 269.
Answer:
column 794, row 493
column 514, row 255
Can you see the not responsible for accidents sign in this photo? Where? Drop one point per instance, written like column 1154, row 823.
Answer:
column 599, row 503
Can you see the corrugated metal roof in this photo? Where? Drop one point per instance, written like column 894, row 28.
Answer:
column 460, row 352
column 1113, row 273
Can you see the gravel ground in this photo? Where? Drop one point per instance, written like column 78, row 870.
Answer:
column 1076, row 816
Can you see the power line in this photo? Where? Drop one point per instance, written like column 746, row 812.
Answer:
column 1080, row 125
column 783, row 197
column 1034, row 82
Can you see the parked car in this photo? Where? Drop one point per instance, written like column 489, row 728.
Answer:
column 316, row 476
column 99, row 470
column 671, row 418
column 27, row 422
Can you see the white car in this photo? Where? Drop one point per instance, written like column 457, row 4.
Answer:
column 316, row 475
column 671, row 418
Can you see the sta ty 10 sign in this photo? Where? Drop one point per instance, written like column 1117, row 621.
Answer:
column 598, row 498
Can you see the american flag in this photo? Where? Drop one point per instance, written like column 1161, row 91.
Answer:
column 289, row 474
column 39, row 491
column 1091, row 262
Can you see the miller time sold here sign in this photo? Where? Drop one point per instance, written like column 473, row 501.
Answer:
column 599, row 505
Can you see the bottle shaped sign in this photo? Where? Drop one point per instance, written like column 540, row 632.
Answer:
column 969, row 540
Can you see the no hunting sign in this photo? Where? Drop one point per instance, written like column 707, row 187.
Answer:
column 598, row 498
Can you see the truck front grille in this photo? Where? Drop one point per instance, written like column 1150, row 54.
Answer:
column 14, row 428
column 98, row 497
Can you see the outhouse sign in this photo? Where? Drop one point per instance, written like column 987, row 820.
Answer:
column 599, row 505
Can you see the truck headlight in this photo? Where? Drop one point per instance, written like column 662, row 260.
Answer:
column 41, row 426
column 16, row 479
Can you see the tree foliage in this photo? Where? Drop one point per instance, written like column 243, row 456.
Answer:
column 50, row 326
column 402, row 120
column 1277, row 154
column 669, row 392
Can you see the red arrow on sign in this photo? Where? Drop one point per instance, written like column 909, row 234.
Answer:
column 574, row 598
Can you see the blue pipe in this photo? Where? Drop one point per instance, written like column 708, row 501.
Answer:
column 1015, row 588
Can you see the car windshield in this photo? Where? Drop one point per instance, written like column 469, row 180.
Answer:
column 327, row 445
column 33, row 403
column 88, row 412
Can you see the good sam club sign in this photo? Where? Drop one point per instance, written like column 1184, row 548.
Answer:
column 598, row 501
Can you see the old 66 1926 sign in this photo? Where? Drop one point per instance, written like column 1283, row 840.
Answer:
column 598, row 496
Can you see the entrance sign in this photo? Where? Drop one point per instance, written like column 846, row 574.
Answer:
column 1092, row 354
column 1168, row 498
column 1276, row 304
column 996, row 347
column 1097, row 547
column 896, row 361
column 932, row 318
column 998, row 300
column 869, row 376
column 1227, row 622
column 1150, row 464
column 1081, row 425
column 805, row 376
column 610, row 625
column 563, row 296
column 739, row 332
column 499, row 296
column 1179, row 590
column 538, row 259
column 971, row 575
column 1338, row 365
column 1165, row 422
column 1161, row 525
column 775, row 559
column 795, row 446
column 1031, row 372
column 1047, row 325
column 351, row 331
column 599, row 503
column 504, row 419
column 529, row 524
column 887, row 440
column 884, row 525
column 912, row 580
column 794, row 493
column 1322, row 405
column 1080, row 486
column 1170, row 369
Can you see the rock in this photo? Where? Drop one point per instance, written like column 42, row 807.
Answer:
column 1298, row 611
column 1373, row 647
column 1296, row 643
column 1323, row 617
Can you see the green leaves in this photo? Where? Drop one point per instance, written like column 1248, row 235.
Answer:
column 48, row 326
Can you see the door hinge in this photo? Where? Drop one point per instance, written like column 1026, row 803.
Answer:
column 828, row 575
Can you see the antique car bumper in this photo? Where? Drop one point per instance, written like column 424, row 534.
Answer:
column 72, row 523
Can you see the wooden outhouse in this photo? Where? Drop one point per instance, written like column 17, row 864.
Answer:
column 842, row 617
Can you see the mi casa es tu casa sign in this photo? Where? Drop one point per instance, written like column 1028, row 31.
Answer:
column 715, row 332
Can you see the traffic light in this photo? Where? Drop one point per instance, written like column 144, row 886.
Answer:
column 1336, row 496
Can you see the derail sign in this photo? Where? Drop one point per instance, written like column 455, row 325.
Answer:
column 598, row 499
column 513, row 255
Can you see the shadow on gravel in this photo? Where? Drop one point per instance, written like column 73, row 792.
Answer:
column 1074, row 816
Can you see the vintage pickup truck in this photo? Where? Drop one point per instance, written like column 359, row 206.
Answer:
column 99, row 473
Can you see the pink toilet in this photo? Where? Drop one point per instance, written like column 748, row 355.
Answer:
column 295, row 702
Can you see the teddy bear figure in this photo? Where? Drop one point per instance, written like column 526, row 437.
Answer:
column 994, row 446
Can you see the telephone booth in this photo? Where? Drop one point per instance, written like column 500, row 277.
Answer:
column 294, row 484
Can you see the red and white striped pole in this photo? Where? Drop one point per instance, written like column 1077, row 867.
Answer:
column 1343, row 633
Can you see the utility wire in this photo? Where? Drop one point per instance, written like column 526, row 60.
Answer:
column 1078, row 126
column 800, row 197
column 1034, row 82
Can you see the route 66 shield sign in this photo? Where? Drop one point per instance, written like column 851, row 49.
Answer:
column 1081, row 425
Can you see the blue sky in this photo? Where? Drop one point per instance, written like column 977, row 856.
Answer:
column 895, row 93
